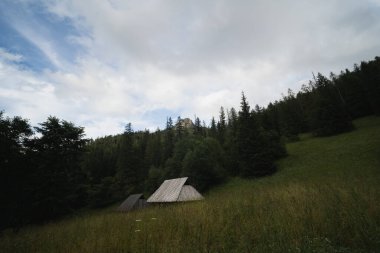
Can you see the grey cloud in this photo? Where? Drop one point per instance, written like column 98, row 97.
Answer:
column 183, row 36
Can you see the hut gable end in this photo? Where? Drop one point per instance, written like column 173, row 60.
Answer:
column 188, row 193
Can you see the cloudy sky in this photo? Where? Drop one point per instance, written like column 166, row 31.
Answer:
column 102, row 64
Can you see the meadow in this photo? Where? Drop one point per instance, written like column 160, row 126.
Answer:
column 324, row 198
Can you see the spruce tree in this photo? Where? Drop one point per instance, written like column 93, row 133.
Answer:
column 329, row 115
column 254, row 157
column 222, row 126
column 213, row 128
column 168, row 139
column 197, row 127
column 126, row 164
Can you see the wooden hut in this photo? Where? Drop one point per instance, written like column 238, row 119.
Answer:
column 175, row 190
column 133, row 202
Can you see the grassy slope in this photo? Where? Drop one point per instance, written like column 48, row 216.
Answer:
column 325, row 198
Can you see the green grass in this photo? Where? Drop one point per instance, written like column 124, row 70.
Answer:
column 325, row 198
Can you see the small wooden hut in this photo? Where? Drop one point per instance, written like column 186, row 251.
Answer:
column 133, row 202
column 175, row 190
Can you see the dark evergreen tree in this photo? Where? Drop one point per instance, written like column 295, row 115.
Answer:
column 354, row 93
column 173, row 166
column 222, row 126
column 213, row 129
column 154, row 179
column 168, row 139
column 254, row 157
column 153, row 153
column 369, row 73
column 15, row 172
column 271, row 118
column 127, row 174
column 198, row 127
column 203, row 164
column 329, row 116
column 59, row 182
column 100, row 163
column 232, row 119
column 292, row 118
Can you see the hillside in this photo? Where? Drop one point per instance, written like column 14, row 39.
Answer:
column 325, row 198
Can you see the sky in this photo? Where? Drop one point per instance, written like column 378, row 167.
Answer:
column 104, row 63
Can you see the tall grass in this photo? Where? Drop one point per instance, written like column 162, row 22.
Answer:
column 325, row 198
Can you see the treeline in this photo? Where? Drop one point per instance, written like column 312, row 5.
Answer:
column 326, row 106
column 234, row 145
column 51, row 170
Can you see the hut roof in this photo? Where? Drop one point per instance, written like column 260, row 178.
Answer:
column 174, row 190
column 130, row 202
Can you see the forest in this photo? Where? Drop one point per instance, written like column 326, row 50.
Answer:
column 52, row 170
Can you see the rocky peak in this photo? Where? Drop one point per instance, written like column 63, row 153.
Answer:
column 186, row 123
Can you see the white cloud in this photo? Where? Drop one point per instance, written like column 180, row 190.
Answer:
column 40, row 42
column 7, row 56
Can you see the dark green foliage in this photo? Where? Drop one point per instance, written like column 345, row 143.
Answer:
column 15, row 186
column 100, row 163
column 153, row 151
column 198, row 130
column 354, row 93
column 230, row 147
column 59, row 183
column 222, row 126
column 155, row 177
column 232, row 121
column 203, row 164
column 292, row 116
column 274, row 146
column 213, row 129
column 270, row 118
column 255, row 157
column 329, row 116
column 168, row 140
column 103, row 193
column 127, row 164
column 325, row 106
column 41, row 177
column 173, row 166
column 369, row 74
